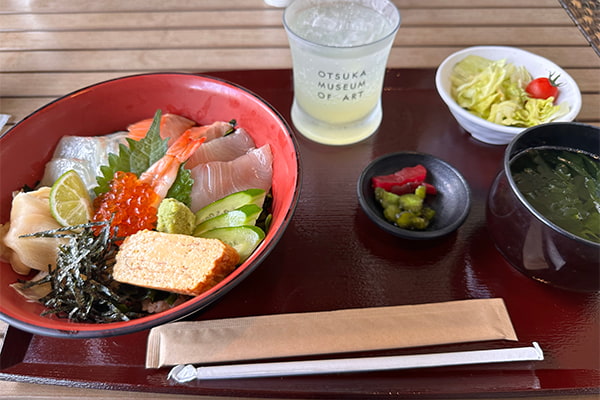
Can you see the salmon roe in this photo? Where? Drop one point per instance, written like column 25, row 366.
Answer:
column 129, row 202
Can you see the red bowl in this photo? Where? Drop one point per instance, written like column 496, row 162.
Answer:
column 109, row 107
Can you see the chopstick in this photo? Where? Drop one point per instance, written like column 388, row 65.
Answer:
column 186, row 373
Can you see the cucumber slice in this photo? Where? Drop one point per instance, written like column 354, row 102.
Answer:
column 245, row 215
column 229, row 203
column 245, row 239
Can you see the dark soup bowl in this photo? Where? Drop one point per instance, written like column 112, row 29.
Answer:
column 542, row 208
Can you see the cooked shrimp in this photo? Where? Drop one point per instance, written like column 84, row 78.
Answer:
column 131, row 203
column 161, row 175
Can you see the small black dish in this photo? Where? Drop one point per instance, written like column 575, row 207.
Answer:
column 451, row 203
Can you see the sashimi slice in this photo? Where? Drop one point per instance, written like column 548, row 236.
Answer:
column 171, row 127
column 215, row 130
column 84, row 154
column 58, row 166
column 225, row 148
column 89, row 147
column 217, row 179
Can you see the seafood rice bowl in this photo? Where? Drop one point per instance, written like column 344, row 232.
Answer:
column 102, row 185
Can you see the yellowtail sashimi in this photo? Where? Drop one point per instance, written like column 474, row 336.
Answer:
column 217, row 179
column 225, row 148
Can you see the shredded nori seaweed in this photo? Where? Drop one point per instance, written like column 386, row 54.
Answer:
column 83, row 289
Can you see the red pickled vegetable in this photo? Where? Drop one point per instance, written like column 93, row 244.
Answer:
column 401, row 177
column 410, row 187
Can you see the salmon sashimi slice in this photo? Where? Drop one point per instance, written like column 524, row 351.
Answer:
column 224, row 148
column 217, row 179
column 171, row 126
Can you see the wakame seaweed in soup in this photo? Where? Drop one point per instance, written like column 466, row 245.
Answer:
column 563, row 185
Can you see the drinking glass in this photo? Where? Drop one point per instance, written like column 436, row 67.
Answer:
column 339, row 54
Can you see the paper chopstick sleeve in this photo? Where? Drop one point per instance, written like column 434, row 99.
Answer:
column 328, row 332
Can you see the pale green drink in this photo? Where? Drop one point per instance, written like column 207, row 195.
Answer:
column 339, row 51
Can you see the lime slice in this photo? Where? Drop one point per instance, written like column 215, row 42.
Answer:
column 70, row 202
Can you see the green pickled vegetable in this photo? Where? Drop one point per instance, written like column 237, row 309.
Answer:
column 410, row 202
column 406, row 211
column 495, row 91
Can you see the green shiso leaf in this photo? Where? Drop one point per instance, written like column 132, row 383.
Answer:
column 182, row 187
column 138, row 156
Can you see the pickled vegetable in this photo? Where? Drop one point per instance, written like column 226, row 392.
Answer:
column 403, row 181
column 406, row 211
column 401, row 177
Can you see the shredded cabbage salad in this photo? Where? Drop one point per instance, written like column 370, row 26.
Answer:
column 495, row 91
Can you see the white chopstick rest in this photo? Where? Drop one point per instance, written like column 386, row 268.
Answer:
column 186, row 373
column 183, row 373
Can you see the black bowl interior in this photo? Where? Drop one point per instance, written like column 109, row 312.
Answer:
column 568, row 135
column 556, row 134
column 452, row 203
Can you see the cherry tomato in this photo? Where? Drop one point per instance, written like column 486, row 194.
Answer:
column 542, row 88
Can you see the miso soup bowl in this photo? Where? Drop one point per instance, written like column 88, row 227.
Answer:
column 528, row 240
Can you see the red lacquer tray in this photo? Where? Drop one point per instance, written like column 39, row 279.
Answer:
column 333, row 257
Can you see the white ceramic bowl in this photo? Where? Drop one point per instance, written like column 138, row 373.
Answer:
column 537, row 66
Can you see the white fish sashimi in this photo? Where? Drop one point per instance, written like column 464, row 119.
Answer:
column 84, row 154
column 30, row 213
column 217, row 179
column 58, row 166
column 89, row 147
column 225, row 148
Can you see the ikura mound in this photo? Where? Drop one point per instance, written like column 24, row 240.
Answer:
column 195, row 114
